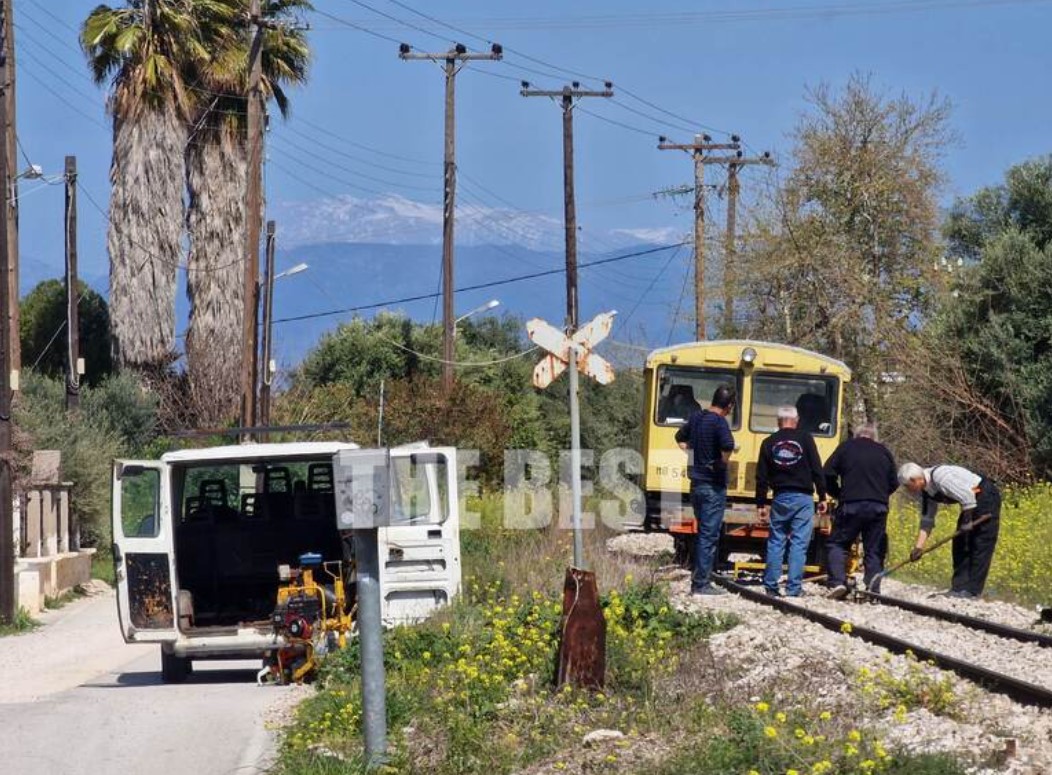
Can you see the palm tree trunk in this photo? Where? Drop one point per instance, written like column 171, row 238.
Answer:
column 216, row 178
column 145, row 235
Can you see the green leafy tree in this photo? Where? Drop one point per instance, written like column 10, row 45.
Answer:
column 42, row 331
column 841, row 258
column 998, row 317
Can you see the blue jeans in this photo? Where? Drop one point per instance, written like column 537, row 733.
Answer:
column 792, row 522
column 709, row 504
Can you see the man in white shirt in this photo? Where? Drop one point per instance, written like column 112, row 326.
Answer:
column 973, row 549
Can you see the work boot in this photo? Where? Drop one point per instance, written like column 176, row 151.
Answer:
column 961, row 594
column 839, row 592
column 709, row 589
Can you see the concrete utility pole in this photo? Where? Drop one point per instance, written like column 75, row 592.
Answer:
column 12, row 175
column 702, row 144
column 253, row 220
column 268, row 313
column 72, row 289
column 8, row 598
column 568, row 97
column 453, row 62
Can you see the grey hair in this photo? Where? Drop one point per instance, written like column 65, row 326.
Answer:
column 908, row 471
column 868, row 431
column 788, row 413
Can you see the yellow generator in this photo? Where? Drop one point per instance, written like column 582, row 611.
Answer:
column 764, row 376
column 312, row 618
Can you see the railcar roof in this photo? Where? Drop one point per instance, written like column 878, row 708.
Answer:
column 660, row 353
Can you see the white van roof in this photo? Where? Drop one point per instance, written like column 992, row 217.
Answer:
column 258, row 451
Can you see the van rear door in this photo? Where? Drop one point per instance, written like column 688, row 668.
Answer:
column 142, row 551
column 420, row 550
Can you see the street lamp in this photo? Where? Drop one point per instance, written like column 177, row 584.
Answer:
column 484, row 308
column 268, row 330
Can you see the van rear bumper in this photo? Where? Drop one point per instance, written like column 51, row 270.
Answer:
column 246, row 643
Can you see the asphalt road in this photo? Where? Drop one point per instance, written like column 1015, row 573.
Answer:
column 74, row 698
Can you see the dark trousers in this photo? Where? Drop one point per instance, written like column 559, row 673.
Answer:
column 973, row 550
column 868, row 519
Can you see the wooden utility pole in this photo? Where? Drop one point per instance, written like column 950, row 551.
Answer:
column 253, row 220
column 453, row 62
column 72, row 289
column 8, row 598
column 698, row 149
column 730, row 235
column 568, row 97
column 12, row 175
column 268, row 313
column 730, row 252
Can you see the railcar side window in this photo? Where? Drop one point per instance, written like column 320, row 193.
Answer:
column 815, row 399
column 682, row 390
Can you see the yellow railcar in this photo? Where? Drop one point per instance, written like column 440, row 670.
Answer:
column 764, row 375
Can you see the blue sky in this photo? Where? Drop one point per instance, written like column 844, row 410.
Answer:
column 740, row 67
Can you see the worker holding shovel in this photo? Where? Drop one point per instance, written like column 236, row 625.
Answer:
column 977, row 527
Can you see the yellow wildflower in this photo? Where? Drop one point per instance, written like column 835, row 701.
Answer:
column 770, row 732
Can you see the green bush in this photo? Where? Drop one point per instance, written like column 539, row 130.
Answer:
column 116, row 419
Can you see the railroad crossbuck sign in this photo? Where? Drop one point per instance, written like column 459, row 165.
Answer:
column 558, row 346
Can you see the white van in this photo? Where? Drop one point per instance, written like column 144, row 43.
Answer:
column 198, row 537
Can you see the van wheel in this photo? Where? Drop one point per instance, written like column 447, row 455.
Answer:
column 174, row 669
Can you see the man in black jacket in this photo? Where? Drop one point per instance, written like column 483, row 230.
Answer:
column 861, row 475
column 789, row 464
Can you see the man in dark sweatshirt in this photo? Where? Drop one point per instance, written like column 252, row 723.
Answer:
column 861, row 475
column 789, row 464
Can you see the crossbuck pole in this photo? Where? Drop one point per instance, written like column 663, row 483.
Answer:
column 575, row 462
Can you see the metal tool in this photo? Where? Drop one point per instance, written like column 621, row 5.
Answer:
column 941, row 542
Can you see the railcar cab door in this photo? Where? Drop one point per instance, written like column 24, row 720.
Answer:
column 420, row 549
column 143, row 556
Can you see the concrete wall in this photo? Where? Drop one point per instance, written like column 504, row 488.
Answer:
column 50, row 561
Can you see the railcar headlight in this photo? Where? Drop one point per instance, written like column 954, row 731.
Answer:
column 749, row 355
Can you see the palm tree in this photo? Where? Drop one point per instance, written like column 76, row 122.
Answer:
column 216, row 177
column 145, row 50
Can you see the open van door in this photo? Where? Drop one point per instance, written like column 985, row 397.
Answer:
column 420, row 550
column 142, row 552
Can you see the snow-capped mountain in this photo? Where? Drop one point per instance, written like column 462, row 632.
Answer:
column 396, row 220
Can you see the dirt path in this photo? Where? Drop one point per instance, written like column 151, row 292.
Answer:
column 75, row 699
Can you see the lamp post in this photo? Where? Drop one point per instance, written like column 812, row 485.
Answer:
column 484, row 308
column 267, row 374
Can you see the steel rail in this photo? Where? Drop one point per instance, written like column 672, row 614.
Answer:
column 1021, row 691
column 971, row 622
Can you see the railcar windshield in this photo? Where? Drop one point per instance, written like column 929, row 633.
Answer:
column 681, row 390
column 815, row 399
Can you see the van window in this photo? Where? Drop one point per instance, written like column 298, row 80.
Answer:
column 411, row 494
column 681, row 390
column 140, row 502
column 814, row 397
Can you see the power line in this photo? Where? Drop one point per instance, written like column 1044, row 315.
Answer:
column 478, row 286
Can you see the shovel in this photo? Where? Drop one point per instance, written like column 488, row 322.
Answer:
column 934, row 546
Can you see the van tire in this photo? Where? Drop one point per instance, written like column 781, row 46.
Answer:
column 174, row 669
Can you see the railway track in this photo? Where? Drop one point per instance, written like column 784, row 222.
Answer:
column 1017, row 689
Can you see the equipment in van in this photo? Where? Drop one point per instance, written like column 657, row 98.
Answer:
column 312, row 618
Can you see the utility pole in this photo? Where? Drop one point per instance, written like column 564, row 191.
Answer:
column 12, row 176
column 730, row 235
column 731, row 246
column 253, row 220
column 568, row 97
column 268, row 312
column 453, row 62
column 698, row 149
column 8, row 598
column 72, row 289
